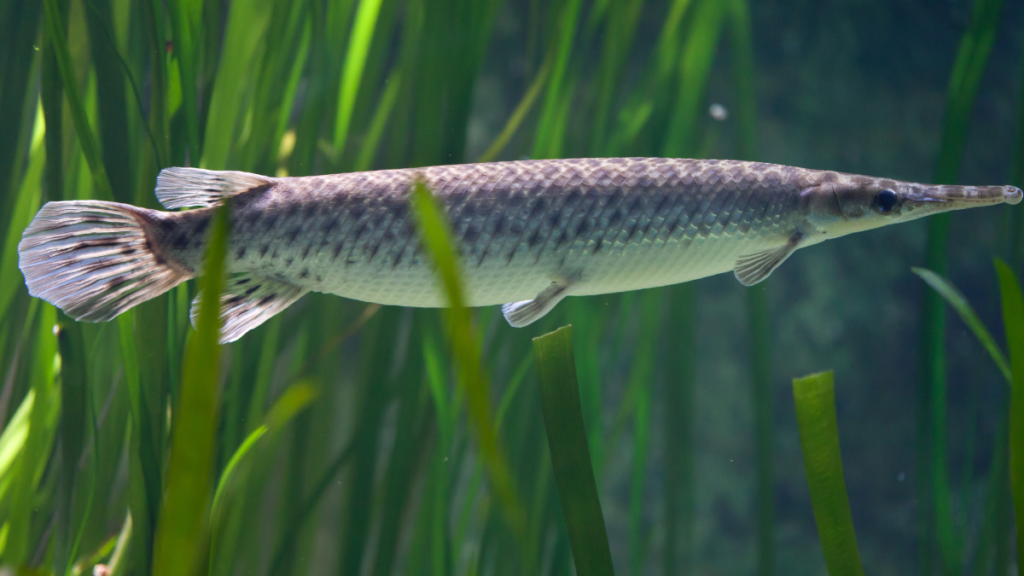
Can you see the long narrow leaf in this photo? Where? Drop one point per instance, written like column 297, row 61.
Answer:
column 291, row 402
column 1013, row 319
column 570, row 455
column 963, row 308
column 819, row 438
column 243, row 40
column 937, row 516
column 355, row 60
column 26, row 205
column 182, row 529
column 437, row 239
column 518, row 115
column 35, row 454
column 55, row 33
column 379, row 122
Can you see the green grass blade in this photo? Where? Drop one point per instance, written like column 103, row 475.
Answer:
column 291, row 532
column 244, row 38
column 546, row 145
column 1013, row 319
column 12, row 440
column 291, row 402
column 181, row 532
column 758, row 305
column 518, row 115
column 994, row 533
column 242, row 476
column 639, row 390
column 819, row 438
column 667, row 48
column 112, row 118
column 29, row 192
column 937, row 518
column 570, row 454
column 619, row 30
column 19, row 26
column 373, row 397
column 963, row 308
column 352, row 74
column 764, row 428
column 35, row 454
column 412, row 443
column 158, row 121
column 379, row 122
column 185, row 49
column 112, row 46
column 439, row 391
column 55, row 34
column 74, row 390
column 437, row 240
column 695, row 68
column 679, row 350
column 741, row 36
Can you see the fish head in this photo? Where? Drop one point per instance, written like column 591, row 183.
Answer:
column 842, row 204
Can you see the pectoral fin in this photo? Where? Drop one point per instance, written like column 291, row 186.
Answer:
column 755, row 267
column 527, row 312
column 249, row 301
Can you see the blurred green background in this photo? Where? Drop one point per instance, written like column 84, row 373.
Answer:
column 342, row 443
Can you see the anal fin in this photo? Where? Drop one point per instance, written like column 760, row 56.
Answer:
column 755, row 267
column 248, row 301
column 527, row 312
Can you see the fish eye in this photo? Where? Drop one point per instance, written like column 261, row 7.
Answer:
column 885, row 200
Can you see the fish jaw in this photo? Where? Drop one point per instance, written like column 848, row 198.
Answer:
column 919, row 201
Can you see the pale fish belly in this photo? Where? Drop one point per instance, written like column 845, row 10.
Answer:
column 495, row 282
column 646, row 263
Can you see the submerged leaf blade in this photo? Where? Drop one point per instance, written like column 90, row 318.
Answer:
column 963, row 308
column 570, row 454
column 1013, row 319
column 182, row 527
column 819, row 437
column 437, row 239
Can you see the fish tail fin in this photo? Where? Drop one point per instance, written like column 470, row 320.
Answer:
column 93, row 259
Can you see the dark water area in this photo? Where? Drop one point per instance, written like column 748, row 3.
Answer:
column 858, row 87
column 345, row 438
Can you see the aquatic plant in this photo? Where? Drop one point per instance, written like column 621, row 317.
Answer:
column 1004, row 451
column 570, row 453
column 397, row 466
column 819, row 437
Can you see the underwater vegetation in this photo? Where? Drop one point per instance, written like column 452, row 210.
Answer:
column 658, row 435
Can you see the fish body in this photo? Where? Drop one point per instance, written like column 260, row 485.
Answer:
column 529, row 232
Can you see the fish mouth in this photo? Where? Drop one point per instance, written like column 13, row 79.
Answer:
column 956, row 197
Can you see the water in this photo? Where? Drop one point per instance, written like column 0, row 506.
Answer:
column 693, row 437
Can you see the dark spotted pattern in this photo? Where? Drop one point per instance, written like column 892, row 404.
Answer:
column 500, row 210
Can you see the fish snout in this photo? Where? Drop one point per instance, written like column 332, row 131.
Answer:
column 1012, row 194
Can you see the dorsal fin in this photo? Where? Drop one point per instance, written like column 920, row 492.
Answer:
column 199, row 188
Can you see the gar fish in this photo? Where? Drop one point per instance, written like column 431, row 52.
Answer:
column 530, row 232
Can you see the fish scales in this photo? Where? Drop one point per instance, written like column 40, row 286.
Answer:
column 609, row 225
column 529, row 232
